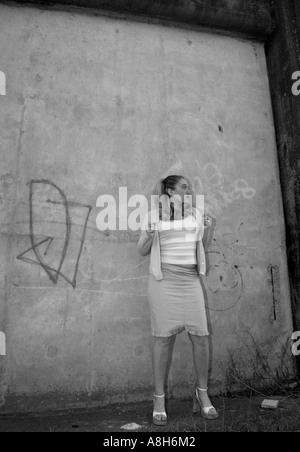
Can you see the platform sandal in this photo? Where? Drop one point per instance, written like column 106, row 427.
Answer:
column 208, row 412
column 159, row 417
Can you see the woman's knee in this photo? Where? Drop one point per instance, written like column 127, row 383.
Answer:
column 200, row 341
column 164, row 341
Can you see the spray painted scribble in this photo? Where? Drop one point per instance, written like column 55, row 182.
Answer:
column 223, row 276
column 225, row 280
column 55, row 245
column 219, row 193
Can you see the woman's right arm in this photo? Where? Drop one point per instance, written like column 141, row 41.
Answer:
column 145, row 243
column 146, row 237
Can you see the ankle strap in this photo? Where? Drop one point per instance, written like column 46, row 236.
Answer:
column 159, row 396
column 203, row 390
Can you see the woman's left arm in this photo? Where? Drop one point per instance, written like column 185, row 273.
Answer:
column 207, row 228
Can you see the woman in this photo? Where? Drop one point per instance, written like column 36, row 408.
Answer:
column 173, row 236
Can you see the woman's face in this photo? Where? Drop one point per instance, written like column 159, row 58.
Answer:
column 181, row 188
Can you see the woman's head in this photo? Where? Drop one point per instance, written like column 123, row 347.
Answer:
column 174, row 185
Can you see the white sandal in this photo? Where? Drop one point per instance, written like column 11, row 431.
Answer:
column 159, row 417
column 208, row 412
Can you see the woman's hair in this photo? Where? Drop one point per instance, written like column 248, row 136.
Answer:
column 163, row 184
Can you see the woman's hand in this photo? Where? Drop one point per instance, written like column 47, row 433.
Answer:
column 207, row 221
column 150, row 230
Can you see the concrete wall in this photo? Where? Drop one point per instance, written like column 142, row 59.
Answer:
column 249, row 17
column 95, row 103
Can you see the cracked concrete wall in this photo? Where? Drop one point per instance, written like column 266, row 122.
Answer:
column 93, row 104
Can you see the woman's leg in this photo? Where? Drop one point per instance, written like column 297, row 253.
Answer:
column 161, row 358
column 170, row 360
column 201, row 363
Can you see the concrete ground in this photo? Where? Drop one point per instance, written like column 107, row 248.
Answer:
column 236, row 414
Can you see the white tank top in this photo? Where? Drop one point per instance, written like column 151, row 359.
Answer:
column 178, row 241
